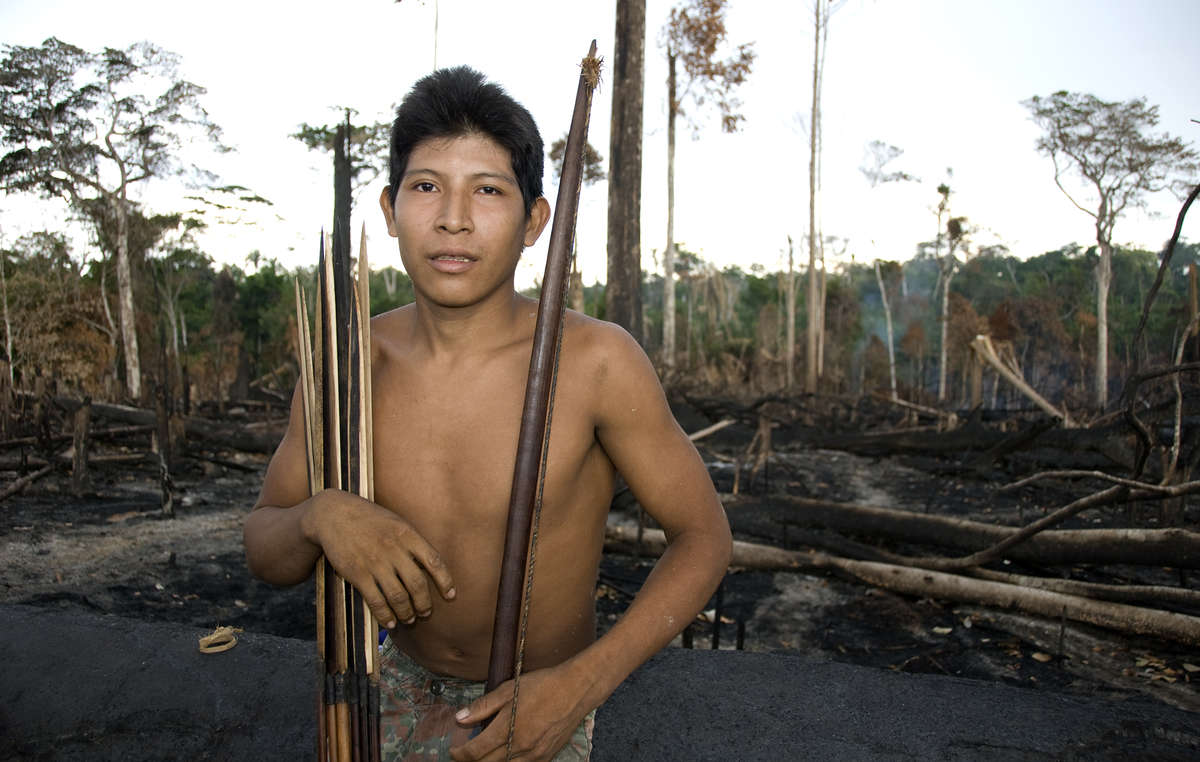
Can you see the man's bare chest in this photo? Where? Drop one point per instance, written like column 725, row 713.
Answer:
column 445, row 443
column 444, row 440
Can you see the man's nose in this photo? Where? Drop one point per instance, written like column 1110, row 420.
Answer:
column 455, row 216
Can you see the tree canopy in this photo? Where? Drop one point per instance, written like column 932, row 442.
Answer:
column 85, row 127
column 1111, row 147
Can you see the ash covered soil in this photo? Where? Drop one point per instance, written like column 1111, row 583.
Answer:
column 113, row 552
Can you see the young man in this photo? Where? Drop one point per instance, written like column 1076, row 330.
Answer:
column 464, row 198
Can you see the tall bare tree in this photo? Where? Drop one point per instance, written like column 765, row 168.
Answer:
column 695, row 33
column 86, row 127
column 892, row 268
column 876, row 172
column 1110, row 146
column 956, row 238
column 822, row 9
column 623, row 289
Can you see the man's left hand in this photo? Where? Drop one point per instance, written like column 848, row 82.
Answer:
column 549, row 708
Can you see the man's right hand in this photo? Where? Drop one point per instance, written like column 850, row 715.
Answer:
column 378, row 552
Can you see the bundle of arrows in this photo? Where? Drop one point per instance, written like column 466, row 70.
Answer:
column 335, row 383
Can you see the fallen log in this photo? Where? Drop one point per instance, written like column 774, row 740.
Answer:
column 1087, row 655
column 224, row 462
column 982, row 346
column 933, row 584
column 94, row 434
column 1153, row 547
column 948, row 418
column 66, row 458
column 25, row 481
column 1157, row 596
column 1019, row 440
column 258, row 437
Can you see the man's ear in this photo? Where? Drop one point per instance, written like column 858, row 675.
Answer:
column 385, row 203
column 539, row 215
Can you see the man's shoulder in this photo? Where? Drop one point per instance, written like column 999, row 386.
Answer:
column 598, row 338
column 601, row 351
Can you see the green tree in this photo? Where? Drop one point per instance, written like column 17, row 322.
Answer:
column 265, row 308
column 1111, row 148
column 86, row 127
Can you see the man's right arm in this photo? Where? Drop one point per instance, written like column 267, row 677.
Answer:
column 280, row 548
column 375, row 550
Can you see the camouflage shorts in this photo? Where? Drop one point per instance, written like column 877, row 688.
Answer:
column 417, row 711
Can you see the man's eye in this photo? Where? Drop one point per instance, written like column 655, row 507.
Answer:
column 424, row 187
column 490, row 190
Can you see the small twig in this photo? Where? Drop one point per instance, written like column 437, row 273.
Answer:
column 702, row 433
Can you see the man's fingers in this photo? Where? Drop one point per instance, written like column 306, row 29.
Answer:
column 415, row 585
column 436, row 568
column 381, row 608
column 398, row 600
column 422, row 554
column 483, row 746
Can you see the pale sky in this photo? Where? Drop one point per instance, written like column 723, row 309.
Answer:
column 941, row 79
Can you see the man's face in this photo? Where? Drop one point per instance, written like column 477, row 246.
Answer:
column 460, row 219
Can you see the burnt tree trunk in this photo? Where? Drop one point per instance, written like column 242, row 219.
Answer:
column 623, row 293
column 80, row 482
column 933, row 584
column 1153, row 547
column 341, row 191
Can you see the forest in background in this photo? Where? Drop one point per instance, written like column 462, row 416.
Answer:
column 226, row 333
column 145, row 312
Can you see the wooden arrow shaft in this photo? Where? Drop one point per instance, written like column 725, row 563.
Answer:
column 533, row 438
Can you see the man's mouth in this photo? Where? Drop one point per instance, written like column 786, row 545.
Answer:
column 452, row 263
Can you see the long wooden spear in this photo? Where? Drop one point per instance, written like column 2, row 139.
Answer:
column 533, row 439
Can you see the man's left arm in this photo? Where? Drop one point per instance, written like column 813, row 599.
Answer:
column 655, row 457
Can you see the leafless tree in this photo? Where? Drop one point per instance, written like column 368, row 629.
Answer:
column 694, row 36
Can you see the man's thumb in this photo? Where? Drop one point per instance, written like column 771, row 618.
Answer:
column 484, row 706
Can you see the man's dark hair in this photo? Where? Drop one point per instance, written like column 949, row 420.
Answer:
column 459, row 101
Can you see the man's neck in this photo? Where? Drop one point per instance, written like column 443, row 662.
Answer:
column 454, row 332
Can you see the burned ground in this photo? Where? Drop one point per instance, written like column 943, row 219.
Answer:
column 112, row 552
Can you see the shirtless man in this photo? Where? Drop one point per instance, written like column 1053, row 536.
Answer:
column 449, row 371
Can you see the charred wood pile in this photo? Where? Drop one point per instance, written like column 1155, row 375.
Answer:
column 1107, row 538
column 80, row 439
